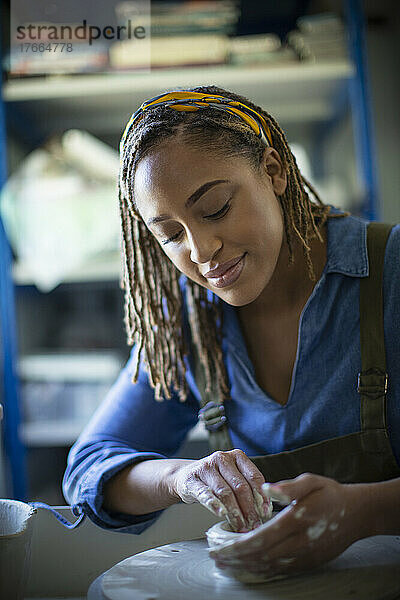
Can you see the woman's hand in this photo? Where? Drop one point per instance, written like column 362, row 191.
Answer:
column 322, row 520
column 228, row 484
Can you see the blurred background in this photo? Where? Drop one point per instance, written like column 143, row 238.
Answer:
column 326, row 70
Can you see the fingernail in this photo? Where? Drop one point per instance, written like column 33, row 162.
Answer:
column 234, row 522
column 258, row 499
column 221, row 510
column 274, row 493
column 216, row 507
column 254, row 521
column 267, row 507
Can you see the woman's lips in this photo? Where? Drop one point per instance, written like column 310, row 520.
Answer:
column 221, row 269
column 230, row 275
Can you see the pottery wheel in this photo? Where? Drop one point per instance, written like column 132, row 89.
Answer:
column 368, row 570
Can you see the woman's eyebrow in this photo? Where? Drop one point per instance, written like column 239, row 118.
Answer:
column 191, row 200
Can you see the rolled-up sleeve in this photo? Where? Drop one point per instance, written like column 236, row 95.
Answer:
column 128, row 427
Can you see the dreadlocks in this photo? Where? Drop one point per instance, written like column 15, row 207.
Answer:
column 153, row 302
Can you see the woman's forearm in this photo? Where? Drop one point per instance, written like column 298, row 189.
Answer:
column 380, row 503
column 143, row 487
column 385, row 497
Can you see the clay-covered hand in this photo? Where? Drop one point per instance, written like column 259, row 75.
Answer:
column 322, row 519
column 228, row 484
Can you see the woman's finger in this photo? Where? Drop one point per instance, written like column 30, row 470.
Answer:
column 255, row 479
column 297, row 552
column 294, row 489
column 292, row 548
column 271, row 533
column 242, row 491
column 202, row 493
column 223, row 492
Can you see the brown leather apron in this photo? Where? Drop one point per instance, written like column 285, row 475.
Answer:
column 364, row 456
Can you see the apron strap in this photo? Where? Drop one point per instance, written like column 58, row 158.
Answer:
column 373, row 378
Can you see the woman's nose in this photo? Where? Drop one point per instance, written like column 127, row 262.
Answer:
column 203, row 247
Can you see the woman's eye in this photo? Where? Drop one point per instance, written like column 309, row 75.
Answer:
column 171, row 239
column 217, row 215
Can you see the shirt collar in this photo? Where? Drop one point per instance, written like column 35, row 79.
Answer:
column 346, row 254
column 347, row 245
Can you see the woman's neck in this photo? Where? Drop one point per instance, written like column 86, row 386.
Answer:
column 290, row 285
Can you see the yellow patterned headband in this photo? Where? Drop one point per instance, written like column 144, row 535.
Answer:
column 190, row 101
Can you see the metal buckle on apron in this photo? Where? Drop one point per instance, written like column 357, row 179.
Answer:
column 372, row 382
column 212, row 415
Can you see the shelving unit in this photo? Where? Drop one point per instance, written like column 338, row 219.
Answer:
column 97, row 270
column 293, row 92
column 305, row 96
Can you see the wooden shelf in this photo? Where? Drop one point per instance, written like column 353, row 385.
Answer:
column 86, row 366
column 107, row 269
column 292, row 92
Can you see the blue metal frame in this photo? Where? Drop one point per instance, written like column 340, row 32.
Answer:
column 325, row 129
column 360, row 100
column 14, row 449
column 356, row 96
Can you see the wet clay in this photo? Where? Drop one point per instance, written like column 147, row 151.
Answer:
column 220, row 534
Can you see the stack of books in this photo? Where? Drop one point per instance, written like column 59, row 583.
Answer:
column 257, row 49
column 319, row 38
column 189, row 33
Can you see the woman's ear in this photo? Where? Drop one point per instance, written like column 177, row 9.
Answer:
column 272, row 165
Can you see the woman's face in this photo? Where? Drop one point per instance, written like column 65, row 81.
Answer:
column 209, row 212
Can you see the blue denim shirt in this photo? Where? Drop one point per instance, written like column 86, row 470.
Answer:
column 323, row 403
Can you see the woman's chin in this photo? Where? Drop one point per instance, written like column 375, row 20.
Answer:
column 238, row 297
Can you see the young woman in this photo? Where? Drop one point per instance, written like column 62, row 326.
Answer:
column 246, row 294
